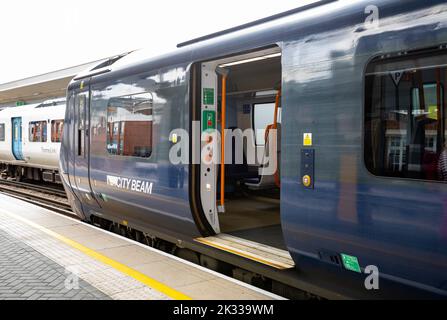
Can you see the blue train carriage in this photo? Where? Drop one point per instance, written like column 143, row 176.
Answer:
column 351, row 97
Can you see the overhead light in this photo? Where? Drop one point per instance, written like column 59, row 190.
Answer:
column 266, row 93
column 269, row 56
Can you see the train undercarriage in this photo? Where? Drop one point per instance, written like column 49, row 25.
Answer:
column 20, row 173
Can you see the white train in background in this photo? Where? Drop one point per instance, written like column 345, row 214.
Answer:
column 30, row 140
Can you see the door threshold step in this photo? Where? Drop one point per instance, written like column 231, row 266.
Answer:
column 274, row 257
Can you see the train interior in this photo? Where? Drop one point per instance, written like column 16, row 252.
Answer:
column 248, row 198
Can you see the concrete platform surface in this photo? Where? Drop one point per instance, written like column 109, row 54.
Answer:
column 44, row 255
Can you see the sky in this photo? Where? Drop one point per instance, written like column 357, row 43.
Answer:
column 47, row 35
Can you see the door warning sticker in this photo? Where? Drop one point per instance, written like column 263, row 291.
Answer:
column 307, row 139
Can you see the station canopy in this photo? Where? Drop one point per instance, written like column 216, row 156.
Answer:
column 41, row 87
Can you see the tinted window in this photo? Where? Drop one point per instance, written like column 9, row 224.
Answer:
column 263, row 116
column 81, row 101
column 2, row 132
column 56, row 130
column 38, row 131
column 129, row 125
column 406, row 117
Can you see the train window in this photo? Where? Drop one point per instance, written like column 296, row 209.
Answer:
column 81, row 102
column 405, row 118
column 81, row 111
column 56, row 130
column 129, row 125
column 2, row 132
column 38, row 131
column 263, row 114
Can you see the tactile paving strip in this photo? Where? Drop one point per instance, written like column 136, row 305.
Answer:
column 111, row 282
column 27, row 274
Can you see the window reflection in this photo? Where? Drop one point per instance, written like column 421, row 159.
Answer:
column 129, row 125
column 38, row 131
column 405, row 117
column 56, row 130
column 263, row 116
column 2, row 132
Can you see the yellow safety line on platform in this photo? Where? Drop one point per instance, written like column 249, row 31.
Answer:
column 152, row 283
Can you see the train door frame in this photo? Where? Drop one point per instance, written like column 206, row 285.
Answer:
column 208, row 128
column 69, row 142
column 206, row 75
column 200, row 219
column 18, row 153
column 81, row 145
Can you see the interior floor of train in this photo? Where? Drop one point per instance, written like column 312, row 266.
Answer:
column 255, row 218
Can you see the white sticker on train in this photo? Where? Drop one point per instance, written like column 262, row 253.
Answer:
column 130, row 184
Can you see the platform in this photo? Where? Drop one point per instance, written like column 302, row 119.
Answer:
column 44, row 255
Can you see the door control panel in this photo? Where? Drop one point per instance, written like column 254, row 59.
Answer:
column 307, row 168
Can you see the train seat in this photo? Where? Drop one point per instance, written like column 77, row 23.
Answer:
column 236, row 173
column 268, row 181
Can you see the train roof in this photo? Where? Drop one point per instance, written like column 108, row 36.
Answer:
column 319, row 17
column 194, row 47
column 19, row 111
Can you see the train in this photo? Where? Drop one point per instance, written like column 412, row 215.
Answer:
column 346, row 100
column 30, row 141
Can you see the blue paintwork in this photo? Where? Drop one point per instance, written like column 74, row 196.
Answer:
column 167, row 208
column 17, row 138
column 399, row 225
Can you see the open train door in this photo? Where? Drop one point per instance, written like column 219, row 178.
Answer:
column 237, row 102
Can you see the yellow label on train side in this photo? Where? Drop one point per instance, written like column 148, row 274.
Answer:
column 307, row 139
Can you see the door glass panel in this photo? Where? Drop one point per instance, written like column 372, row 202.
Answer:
column 81, row 121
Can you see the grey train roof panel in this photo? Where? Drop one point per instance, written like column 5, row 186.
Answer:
column 256, row 22
column 296, row 25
